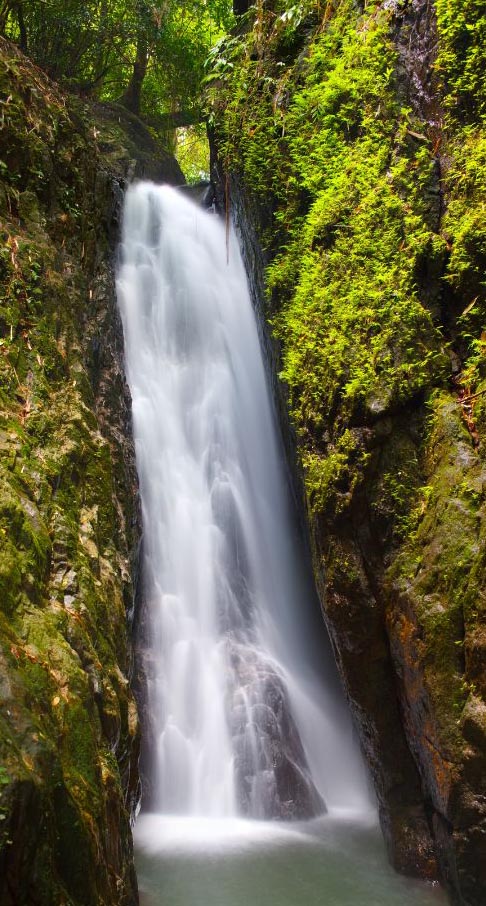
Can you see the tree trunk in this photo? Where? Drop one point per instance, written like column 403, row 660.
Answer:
column 132, row 96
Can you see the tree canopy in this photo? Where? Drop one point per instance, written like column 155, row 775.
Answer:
column 147, row 54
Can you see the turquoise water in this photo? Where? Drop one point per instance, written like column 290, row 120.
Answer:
column 329, row 862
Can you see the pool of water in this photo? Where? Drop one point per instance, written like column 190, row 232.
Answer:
column 334, row 861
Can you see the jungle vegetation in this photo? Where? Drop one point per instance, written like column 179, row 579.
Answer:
column 147, row 54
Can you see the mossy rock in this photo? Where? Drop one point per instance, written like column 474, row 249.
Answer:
column 69, row 522
column 362, row 152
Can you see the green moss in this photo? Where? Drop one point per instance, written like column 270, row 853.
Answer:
column 353, row 218
column 374, row 227
column 364, row 291
column 331, row 477
column 461, row 60
column 461, row 64
column 441, row 565
column 63, row 545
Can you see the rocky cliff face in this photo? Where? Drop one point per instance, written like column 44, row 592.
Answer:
column 350, row 143
column 69, row 520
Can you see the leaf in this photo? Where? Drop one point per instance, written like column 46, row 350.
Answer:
column 469, row 307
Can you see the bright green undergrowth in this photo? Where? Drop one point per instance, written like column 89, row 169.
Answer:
column 374, row 223
column 461, row 65
column 461, row 59
column 354, row 181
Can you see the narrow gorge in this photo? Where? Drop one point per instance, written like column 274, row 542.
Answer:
column 191, row 481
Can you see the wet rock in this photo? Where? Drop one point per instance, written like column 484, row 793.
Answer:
column 272, row 776
column 435, row 619
column 415, row 35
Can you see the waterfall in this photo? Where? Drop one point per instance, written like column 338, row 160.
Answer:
column 246, row 715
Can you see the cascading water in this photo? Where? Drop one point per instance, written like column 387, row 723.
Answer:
column 245, row 716
column 242, row 722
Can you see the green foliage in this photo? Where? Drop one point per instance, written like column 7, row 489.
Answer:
column 349, row 172
column 74, row 41
column 332, row 479
column 92, row 46
column 178, row 49
column 461, row 63
column 192, row 153
column 465, row 225
column 461, row 59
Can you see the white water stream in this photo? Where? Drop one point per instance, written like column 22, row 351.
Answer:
column 243, row 723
